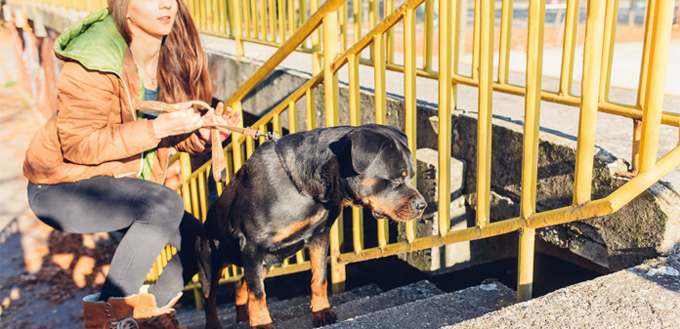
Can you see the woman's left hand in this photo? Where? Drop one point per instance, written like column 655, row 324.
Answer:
column 229, row 117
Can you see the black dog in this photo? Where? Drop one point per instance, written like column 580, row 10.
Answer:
column 287, row 196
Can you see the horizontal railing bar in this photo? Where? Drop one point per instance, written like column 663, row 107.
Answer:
column 667, row 118
column 274, row 271
column 610, row 107
column 615, row 201
column 300, row 48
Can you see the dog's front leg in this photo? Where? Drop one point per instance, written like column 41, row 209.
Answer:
column 321, row 309
column 257, row 299
column 241, row 301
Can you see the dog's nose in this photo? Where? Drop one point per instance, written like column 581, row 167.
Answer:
column 419, row 204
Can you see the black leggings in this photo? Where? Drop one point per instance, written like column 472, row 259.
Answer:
column 152, row 214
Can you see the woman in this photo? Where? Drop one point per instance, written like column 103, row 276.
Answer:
column 98, row 165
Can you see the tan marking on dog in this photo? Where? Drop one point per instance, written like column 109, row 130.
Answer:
column 296, row 227
column 259, row 314
column 319, row 283
column 401, row 211
column 369, row 182
column 241, row 292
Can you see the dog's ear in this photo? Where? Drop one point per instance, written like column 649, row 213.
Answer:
column 363, row 146
column 400, row 136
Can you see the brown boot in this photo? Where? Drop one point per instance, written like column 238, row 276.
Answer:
column 114, row 314
column 149, row 316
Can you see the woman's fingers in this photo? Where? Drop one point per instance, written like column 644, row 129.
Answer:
column 232, row 117
column 219, row 110
column 177, row 123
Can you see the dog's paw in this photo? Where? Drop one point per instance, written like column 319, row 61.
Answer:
column 213, row 325
column 324, row 317
column 263, row 326
column 241, row 313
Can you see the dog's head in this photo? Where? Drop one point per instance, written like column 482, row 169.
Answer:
column 378, row 169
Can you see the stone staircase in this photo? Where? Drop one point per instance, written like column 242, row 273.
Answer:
column 417, row 305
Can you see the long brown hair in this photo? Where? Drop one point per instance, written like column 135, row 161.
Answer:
column 183, row 70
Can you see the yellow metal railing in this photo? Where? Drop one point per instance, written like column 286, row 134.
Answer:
column 598, row 54
column 325, row 34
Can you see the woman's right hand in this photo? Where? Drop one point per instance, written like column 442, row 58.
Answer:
column 183, row 121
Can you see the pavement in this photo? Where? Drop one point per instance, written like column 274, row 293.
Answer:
column 43, row 273
column 643, row 297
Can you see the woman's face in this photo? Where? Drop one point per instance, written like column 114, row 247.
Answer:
column 151, row 17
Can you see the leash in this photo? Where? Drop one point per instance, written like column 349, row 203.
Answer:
column 219, row 164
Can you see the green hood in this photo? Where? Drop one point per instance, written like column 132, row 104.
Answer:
column 94, row 42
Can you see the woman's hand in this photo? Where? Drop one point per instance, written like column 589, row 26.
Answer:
column 183, row 121
column 229, row 117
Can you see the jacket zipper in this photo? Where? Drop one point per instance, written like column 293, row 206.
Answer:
column 167, row 165
column 134, row 116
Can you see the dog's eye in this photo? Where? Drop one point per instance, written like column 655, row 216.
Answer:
column 395, row 182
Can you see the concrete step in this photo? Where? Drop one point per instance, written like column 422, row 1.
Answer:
column 643, row 297
column 436, row 311
column 280, row 310
column 358, row 307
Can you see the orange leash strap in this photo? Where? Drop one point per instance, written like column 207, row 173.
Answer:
column 219, row 164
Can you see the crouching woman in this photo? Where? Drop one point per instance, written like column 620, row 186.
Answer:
column 98, row 164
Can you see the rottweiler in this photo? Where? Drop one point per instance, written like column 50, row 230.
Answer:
column 287, row 196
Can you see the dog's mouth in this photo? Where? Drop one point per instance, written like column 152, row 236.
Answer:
column 379, row 215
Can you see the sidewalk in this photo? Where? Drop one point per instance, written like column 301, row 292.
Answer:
column 43, row 273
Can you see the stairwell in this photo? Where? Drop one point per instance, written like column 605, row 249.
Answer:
column 417, row 305
column 646, row 296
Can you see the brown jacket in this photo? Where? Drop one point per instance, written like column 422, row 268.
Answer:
column 95, row 131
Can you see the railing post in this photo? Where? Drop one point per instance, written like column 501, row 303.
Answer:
column 656, row 80
column 608, row 48
column 373, row 18
column 532, row 107
column 236, row 149
column 570, row 28
column 330, row 52
column 592, row 69
column 635, row 153
column 484, row 127
column 429, row 35
column 445, row 107
column 237, row 28
column 410, row 100
column 355, row 120
column 316, row 40
column 504, row 49
column 185, row 173
column 525, row 268
column 534, row 69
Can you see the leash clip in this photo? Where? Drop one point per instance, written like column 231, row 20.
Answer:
column 271, row 136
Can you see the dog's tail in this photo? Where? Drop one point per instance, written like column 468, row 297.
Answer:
column 206, row 268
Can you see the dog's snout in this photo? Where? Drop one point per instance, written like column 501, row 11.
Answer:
column 419, row 204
